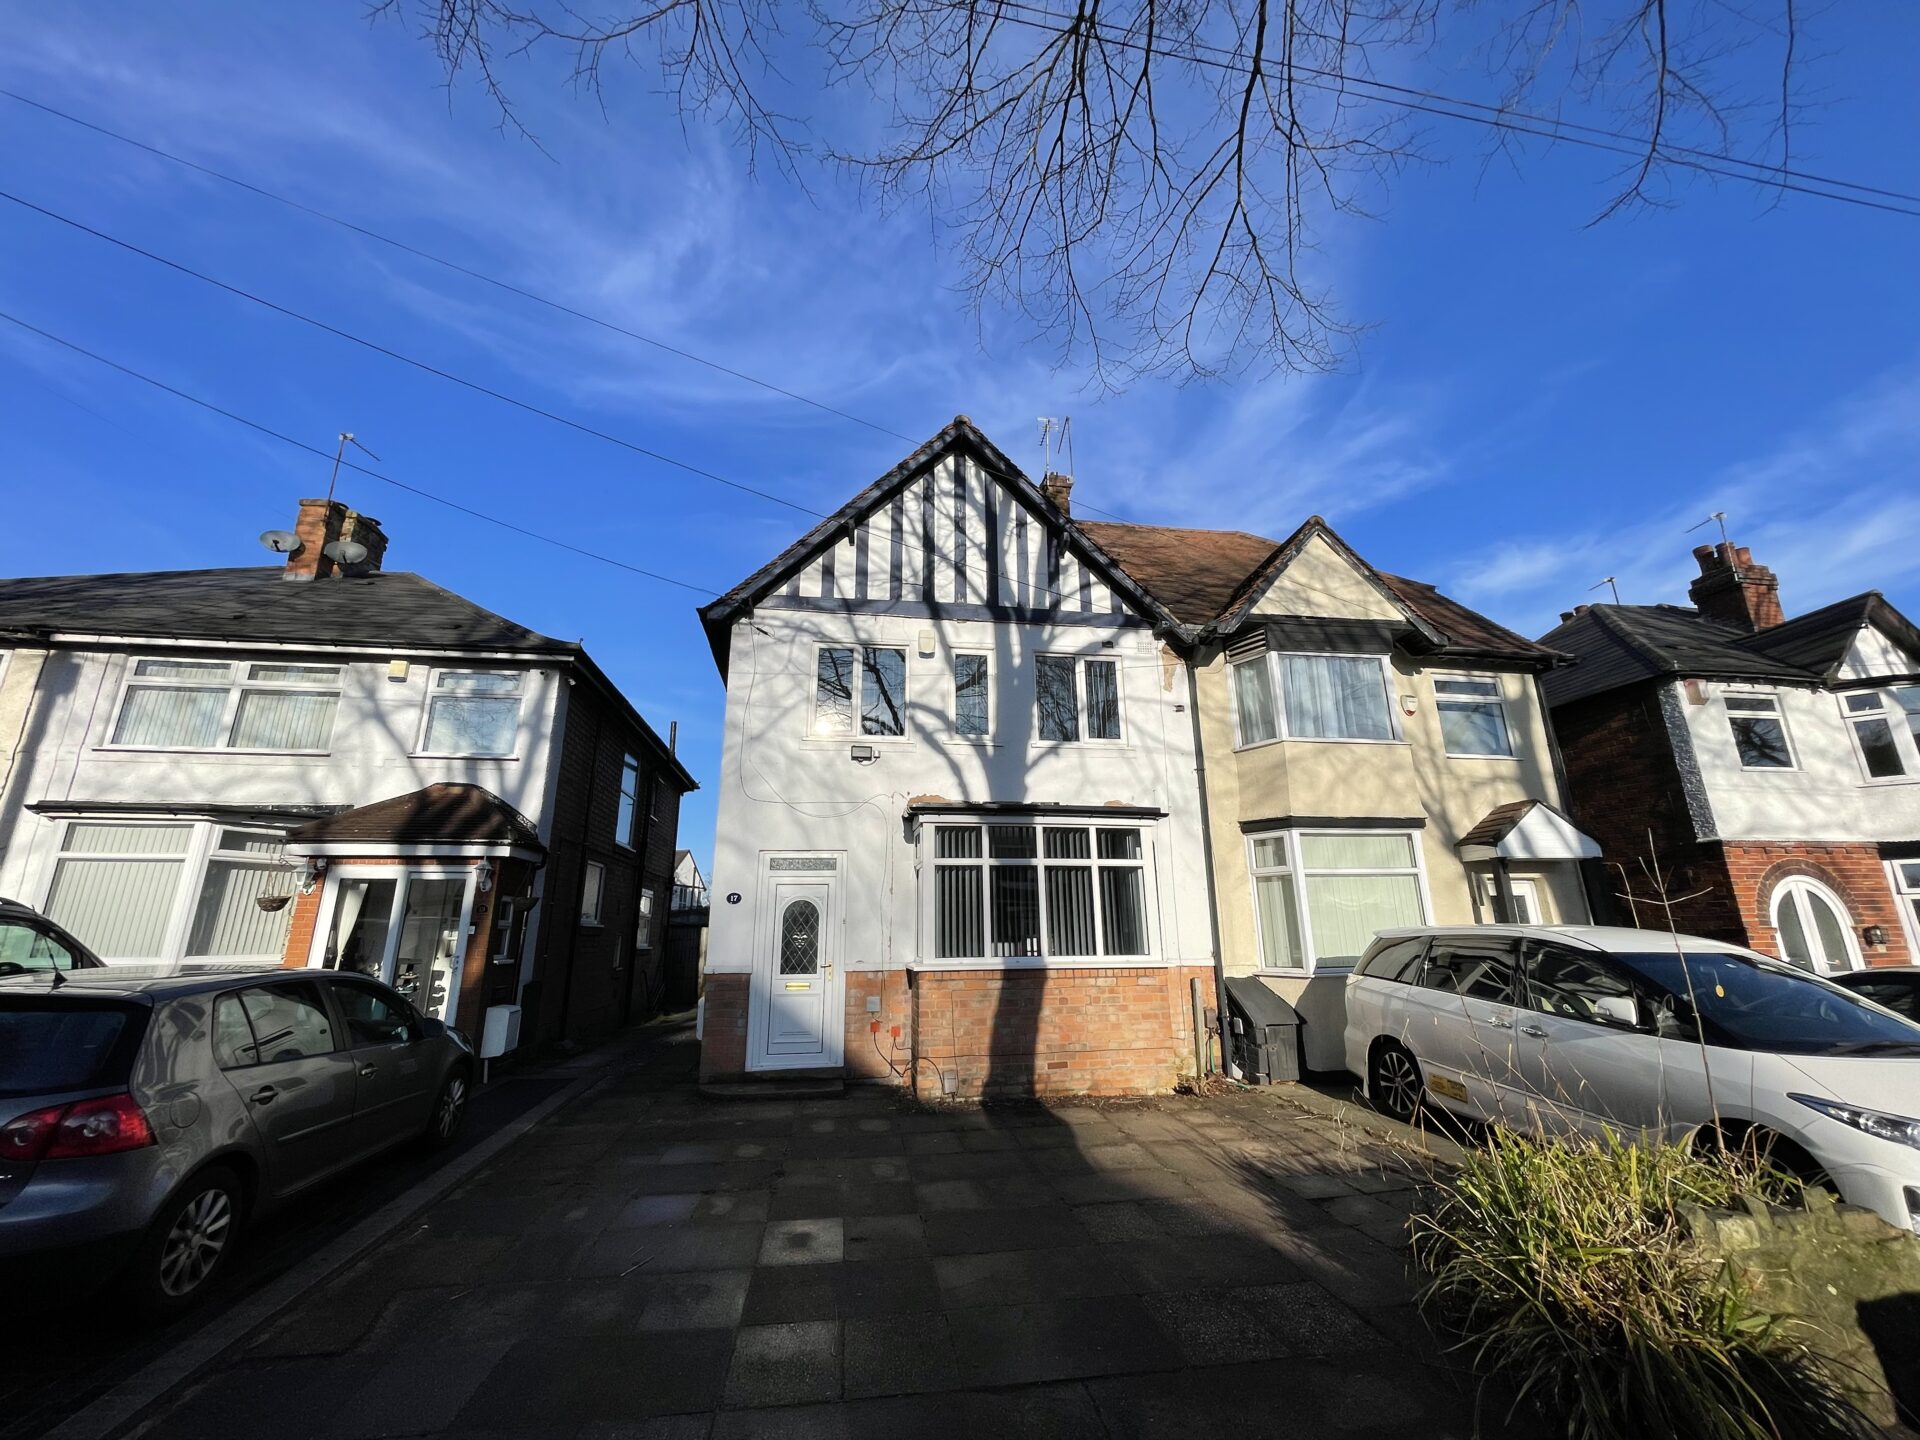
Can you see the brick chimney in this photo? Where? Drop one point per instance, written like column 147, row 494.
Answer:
column 1574, row 614
column 1059, row 489
column 320, row 524
column 1734, row 590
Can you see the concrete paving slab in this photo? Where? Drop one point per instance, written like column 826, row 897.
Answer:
column 900, row 1355
column 803, row 1242
column 1058, row 1340
column 784, row 1364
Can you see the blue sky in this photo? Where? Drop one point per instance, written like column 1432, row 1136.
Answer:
column 1536, row 404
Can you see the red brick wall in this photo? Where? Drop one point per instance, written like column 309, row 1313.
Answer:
column 1853, row 872
column 723, row 1027
column 1119, row 1031
column 1115, row 1031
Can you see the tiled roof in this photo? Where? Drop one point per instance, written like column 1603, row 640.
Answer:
column 1201, row 575
column 1194, row 573
column 384, row 610
column 1619, row 645
column 440, row 814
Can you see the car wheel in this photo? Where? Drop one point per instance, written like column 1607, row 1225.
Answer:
column 1394, row 1084
column 188, row 1242
column 449, row 1110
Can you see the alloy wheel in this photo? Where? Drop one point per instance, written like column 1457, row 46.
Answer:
column 196, row 1242
column 453, row 1105
column 1398, row 1083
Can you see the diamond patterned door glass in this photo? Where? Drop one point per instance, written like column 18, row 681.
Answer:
column 800, row 939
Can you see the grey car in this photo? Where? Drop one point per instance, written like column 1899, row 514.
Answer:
column 143, row 1121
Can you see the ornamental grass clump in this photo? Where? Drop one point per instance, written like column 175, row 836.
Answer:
column 1562, row 1268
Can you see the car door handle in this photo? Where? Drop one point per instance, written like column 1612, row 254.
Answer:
column 1499, row 1024
column 264, row 1095
column 366, row 1070
column 1534, row 1030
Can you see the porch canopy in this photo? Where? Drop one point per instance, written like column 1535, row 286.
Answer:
column 1526, row 830
column 449, row 821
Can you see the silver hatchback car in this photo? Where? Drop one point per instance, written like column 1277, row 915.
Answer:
column 142, row 1121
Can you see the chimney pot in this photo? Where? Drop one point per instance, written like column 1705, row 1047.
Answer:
column 1566, row 615
column 1059, row 489
column 1734, row 590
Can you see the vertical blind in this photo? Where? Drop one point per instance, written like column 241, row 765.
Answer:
column 114, row 885
column 1032, row 892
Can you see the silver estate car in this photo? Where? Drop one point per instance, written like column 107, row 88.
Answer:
column 142, row 1121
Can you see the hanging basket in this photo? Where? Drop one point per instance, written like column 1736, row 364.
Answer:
column 270, row 903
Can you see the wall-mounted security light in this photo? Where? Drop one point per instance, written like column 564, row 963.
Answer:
column 864, row 754
column 1875, row 936
column 281, row 542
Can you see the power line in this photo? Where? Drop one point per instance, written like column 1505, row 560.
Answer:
column 970, row 568
column 1492, row 116
column 327, row 455
column 457, row 268
column 479, row 388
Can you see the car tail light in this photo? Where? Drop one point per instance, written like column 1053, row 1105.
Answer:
column 86, row 1127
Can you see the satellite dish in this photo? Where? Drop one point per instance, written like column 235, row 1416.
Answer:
column 281, row 542
column 345, row 552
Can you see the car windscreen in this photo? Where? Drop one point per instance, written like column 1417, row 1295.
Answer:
column 48, row 1045
column 1751, row 1004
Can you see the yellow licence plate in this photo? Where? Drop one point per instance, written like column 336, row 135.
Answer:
column 1451, row 1089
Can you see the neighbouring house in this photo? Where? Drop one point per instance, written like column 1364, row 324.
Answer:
column 959, row 841
column 689, row 885
column 328, row 763
column 1768, row 768
column 1375, row 755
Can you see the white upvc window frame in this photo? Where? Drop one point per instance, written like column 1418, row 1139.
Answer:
column 626, row 814
column 1523, row 888
column 854, row 734
column 1886, row 707
column 643, row 922
column 238, row 684
column 195, row 863
column 1778, row 713
column 1497, row 700
column 1283, row 733
column 985, row 737
column 1080, row 662
column 1903, row 879
column 441, row 673
column 1296, row 875
column 928, row 860
column 593, row 894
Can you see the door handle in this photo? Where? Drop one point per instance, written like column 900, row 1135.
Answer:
column 369, row 1070
column 1534, row 1030
column 1500, row 1024
column 264, row 1095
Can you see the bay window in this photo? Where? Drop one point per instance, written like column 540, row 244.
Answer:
column 1311, row 697
column 875, row 675
column 473, row 712
column 155, row 890
column 1320, row 896
column 227, row 705
column 1027, row 891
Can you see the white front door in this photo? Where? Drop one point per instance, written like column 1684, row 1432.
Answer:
column 797, row 1022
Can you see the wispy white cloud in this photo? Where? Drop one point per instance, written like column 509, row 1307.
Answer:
column 1830, row 508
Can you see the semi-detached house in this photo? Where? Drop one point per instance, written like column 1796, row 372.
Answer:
column 333, row 764
column 999, row 785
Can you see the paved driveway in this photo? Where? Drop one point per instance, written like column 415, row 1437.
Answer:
column 651, row 1263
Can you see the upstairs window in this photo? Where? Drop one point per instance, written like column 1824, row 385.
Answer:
column 971, row 698
column 868, row 681
column 473, row 712
column 1075, row 698
column 1873, row 722
column 593, row 892
column 1311, row 697
column 1759, row 732
column 228, row 705
column 1473, row 721
column 629, row 801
